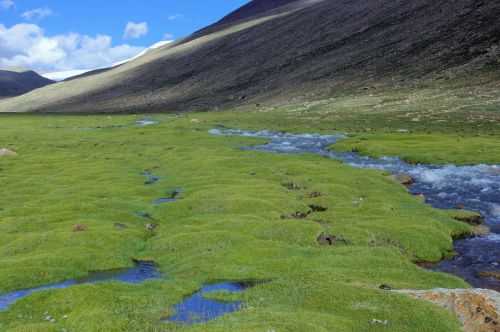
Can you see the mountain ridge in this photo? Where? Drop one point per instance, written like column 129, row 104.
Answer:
column 16, row 82
column 303, row 49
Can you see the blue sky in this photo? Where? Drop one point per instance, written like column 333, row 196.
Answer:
column 82, row 27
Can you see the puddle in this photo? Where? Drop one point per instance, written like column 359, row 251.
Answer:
column 172, row 197
column 146, row 122
column 150, row 178
column 198, row 309
column 476, row 188
column 142, row 272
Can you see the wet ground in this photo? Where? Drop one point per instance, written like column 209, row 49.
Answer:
column 475, row 188
column 141, row 272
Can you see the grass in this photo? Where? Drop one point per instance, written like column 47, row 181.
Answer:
column 426, row 148
column 226, row 225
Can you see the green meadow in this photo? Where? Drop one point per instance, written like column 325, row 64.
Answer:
column 233, row 220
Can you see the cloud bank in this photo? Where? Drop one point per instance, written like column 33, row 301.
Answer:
column 26, row 45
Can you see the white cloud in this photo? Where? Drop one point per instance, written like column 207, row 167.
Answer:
column 168, row 36
column 37, row 14
column 135, row 30
column 6, row 4
column 26, row 45
column 175, row 17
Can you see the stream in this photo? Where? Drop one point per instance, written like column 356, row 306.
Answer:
column 141, row 272
column 475, row 188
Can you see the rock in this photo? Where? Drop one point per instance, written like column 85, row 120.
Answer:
column 314, row 194
column 296, row 215
column 379, row 322
column 404, row 179
column 385, row 287
column 291, row 186
column 7, row 153
column 477, row 309
column 325, row 239
column 120, row 226
column 490, row 274
column 317, row 208
column 79, row 228
column 421, row 197
column 151, row 227
column 481, row 230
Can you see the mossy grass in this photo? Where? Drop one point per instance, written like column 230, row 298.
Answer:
column 426, row 148
column 226, row 225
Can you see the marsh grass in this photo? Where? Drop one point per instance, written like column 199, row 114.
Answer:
column 226, row 225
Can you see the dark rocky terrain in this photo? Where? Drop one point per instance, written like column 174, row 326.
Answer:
column 273, row 51
column 15, row 83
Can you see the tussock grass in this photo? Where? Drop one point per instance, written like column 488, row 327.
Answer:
column 226, row 225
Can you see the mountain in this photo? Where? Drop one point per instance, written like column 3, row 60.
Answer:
column 17, row 82
column 273, row 51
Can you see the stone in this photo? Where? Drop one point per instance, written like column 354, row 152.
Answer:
column 296, row 215
column 315, row 194
column 385, row 287
column 325, row 239
column 404, row 179
column 79, row 228
column 7, row 153
column 151, row 227
column 490, row 274
column 291, row 186
column 317, row 208
column 379, row 322
column 477, row 309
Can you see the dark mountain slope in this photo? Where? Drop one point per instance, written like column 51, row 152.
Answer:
column 252, row 9
column 15, row 83
column 311, row 48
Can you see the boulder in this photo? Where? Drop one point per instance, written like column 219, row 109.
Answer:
column 477, row 309
column 7, row 153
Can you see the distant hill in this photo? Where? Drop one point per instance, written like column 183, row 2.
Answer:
column 275, row 51
column 17, row 82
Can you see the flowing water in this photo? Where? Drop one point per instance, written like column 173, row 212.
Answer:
column 476, row 188
column 141, row 272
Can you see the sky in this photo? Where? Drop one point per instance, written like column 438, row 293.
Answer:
column 61, row 35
